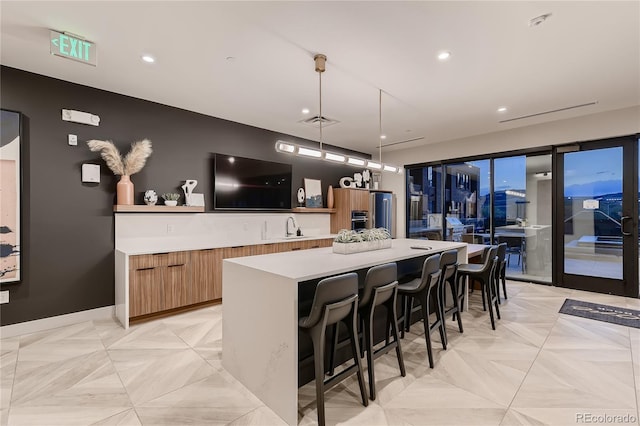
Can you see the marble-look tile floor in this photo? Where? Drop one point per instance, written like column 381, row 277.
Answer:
column 538, row 367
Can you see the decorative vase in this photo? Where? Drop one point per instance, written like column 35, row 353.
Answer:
column 171, row 203
column 330, row 197
column 124, row 191
column 150, row 197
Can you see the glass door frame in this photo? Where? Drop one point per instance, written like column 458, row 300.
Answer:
column 628, row 286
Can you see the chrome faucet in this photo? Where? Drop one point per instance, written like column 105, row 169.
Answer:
column 295, row 226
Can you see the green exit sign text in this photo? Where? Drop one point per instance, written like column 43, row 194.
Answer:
column 73, row 47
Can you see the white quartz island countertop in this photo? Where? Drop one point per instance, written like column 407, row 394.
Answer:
column 260, row 321
column 322, row 262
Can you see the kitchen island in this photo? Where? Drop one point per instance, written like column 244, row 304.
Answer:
column 262, row 306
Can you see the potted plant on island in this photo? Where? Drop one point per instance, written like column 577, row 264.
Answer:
column 171, row 198
column 349, row 241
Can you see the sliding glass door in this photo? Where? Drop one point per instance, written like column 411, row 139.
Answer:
column 597, row 236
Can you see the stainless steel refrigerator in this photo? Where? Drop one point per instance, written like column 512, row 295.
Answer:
column 382, row 211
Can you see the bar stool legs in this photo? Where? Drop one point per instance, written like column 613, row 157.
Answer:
column 367, row 315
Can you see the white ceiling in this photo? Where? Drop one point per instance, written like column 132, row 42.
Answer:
column 585, row 52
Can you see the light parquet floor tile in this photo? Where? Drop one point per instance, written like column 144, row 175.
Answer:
column 125, row 418
column 537, row 367
column 148, row 374
column 259, row 416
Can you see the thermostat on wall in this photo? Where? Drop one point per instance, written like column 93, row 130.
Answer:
column 91, row 173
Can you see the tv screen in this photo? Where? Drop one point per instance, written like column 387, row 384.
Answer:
column 250, row 184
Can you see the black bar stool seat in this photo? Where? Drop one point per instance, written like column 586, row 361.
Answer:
column 335, row 299
column 485, row 274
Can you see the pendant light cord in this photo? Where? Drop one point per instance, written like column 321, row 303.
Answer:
column 320, row 116
column 380, row 126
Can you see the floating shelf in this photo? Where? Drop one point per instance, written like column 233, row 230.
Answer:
column 157, row 209
column 312, row 210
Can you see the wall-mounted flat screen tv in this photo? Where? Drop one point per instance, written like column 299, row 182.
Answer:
column 251, row 184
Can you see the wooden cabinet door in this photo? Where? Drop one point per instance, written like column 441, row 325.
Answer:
column 326, row 242
column 239, row 251
column 146, row 291
column 142, row 261
column 175, row 286
column 205, row 266
column 267, row 248
column 359, row 199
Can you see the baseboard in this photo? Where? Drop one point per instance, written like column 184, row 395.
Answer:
column 106, row 312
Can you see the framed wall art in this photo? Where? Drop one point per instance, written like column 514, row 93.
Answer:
column 10, row 196
column 313, row 191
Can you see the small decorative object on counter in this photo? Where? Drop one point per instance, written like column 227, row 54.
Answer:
column 150, row 197
column 347, row 182
column 366, row 177
column 357, row 178
column 349, row 241
column 330, row 199
column 132, row 163
column 171, row 199
column 188, row 187
column 300, row 196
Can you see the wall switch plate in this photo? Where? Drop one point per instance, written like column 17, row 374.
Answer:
column 4, row 296
column 170, row 229
column 73, row 140
column 91, row 173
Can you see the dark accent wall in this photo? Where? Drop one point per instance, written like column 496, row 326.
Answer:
column 68, row 226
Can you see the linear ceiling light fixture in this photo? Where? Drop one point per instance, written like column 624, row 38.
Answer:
column 295, row 149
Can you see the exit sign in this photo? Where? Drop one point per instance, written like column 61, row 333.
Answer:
column 73, row 47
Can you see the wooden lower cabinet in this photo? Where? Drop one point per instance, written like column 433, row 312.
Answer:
column 146, row 292
column 164, row 281
column 205, row 267
column 176, row 286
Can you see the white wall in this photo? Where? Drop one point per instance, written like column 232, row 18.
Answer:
column 589, row 127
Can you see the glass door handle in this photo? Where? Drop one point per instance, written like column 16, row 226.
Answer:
column 623, row 220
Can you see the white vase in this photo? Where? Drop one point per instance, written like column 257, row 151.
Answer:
column 172, row 203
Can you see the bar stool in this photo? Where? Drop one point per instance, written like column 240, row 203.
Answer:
column 484, row 273
column 501, row 270
column 423, row 289
column 449, row 268
column 335, row 299
column 380, row 288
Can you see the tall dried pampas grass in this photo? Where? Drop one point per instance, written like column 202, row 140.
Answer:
column 132, row 163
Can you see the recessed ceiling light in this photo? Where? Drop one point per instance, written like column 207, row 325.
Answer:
column 443, row 56
column 305, row 110
column 148, row 59
column 502, row 109
column 383, row 136
column 230, row 58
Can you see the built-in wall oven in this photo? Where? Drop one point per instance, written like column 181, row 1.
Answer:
column 359, row 219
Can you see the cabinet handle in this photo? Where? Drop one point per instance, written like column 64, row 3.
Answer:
column 173, row 266
column 159, row 254
column 315, row 246
column 207, row 250
column 237, row 246
column 145, row 269
column 296, row 248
